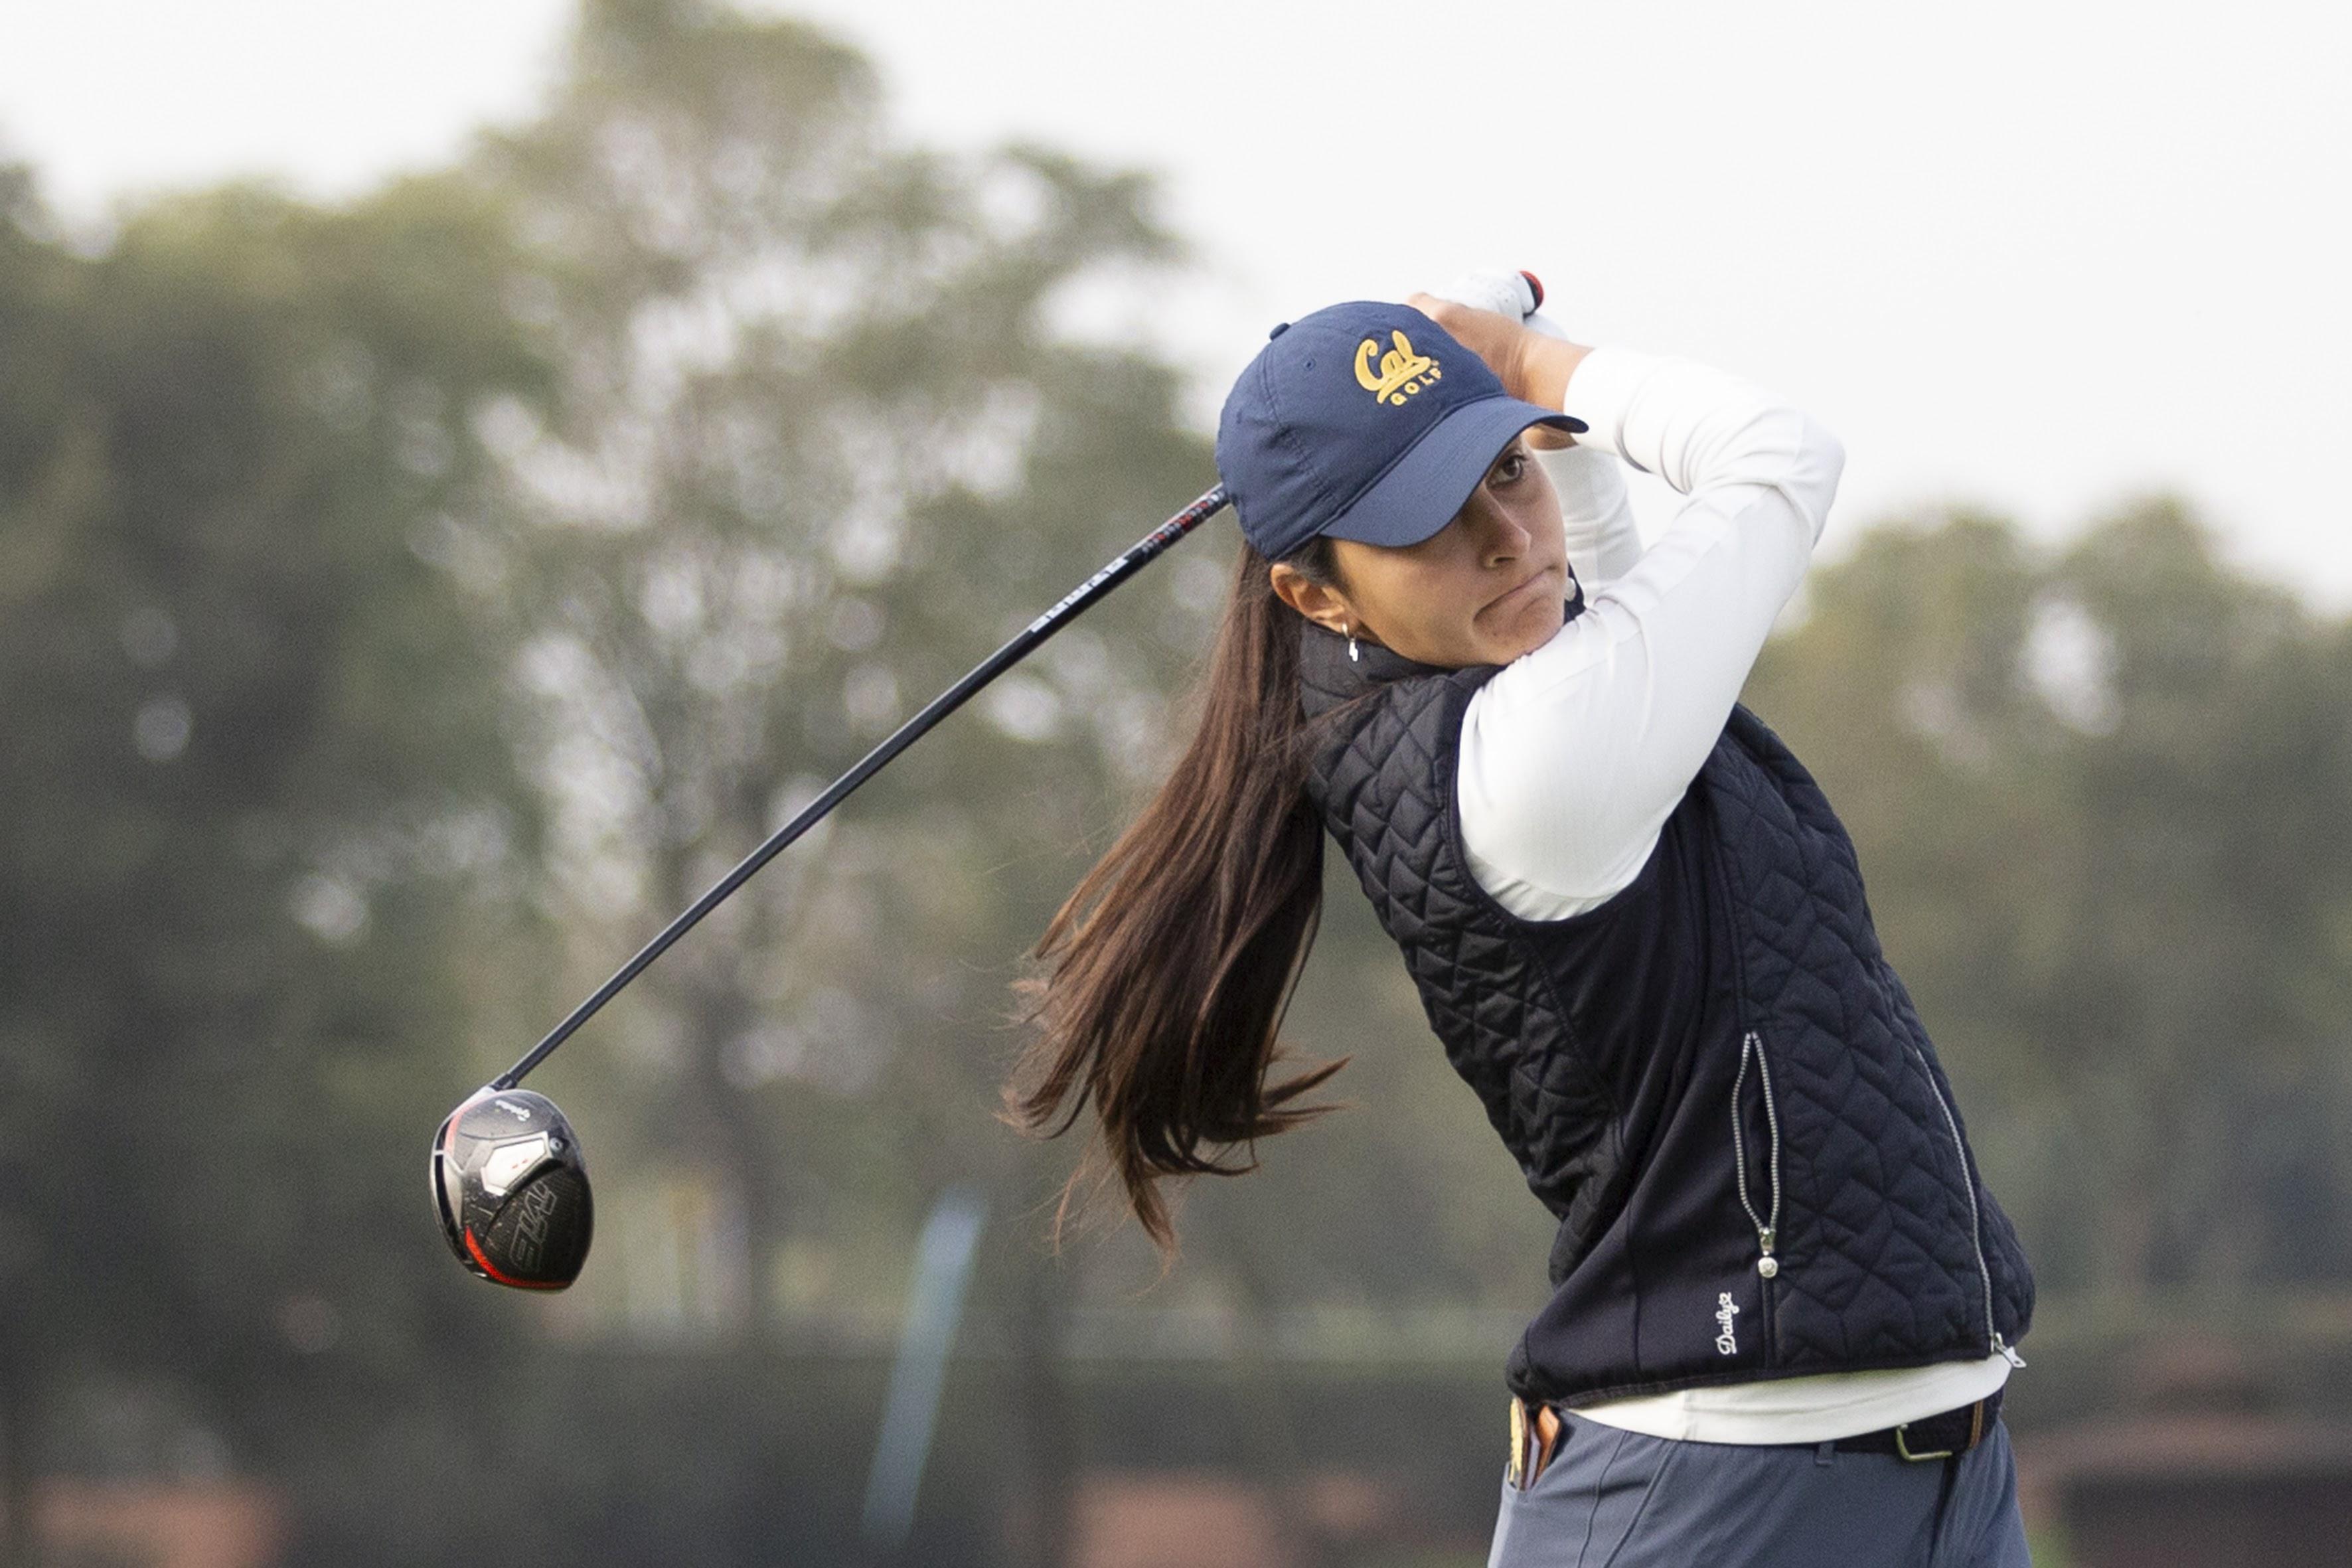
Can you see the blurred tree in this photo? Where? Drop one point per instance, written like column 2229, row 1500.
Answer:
column 820, row 446
column 2199, row 987
column 829, row 428
column 262, row 817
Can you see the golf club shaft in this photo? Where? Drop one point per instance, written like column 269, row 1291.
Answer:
column 1136, row 556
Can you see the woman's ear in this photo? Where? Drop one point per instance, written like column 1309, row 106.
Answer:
column 1323, row 605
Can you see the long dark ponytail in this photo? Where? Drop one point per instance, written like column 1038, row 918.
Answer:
column 1161, row 983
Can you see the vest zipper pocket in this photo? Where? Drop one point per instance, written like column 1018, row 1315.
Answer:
column 1999, row 1346
column 1767, row 1224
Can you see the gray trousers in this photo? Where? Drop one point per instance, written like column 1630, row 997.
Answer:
column 1613, row 1499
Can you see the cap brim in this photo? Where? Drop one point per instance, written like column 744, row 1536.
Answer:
column 1428, row 485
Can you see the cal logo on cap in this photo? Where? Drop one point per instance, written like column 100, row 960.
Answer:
column 1400, row 372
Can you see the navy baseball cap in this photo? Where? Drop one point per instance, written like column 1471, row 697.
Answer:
column 1363, row 421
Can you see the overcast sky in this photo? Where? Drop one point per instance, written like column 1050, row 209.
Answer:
column 2037, row 256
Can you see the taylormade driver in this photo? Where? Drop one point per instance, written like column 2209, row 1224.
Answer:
column 512, row 1189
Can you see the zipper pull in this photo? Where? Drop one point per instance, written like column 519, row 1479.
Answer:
column 2001, row 1348
column 1766, row 1266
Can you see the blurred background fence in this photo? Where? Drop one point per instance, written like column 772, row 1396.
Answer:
column 405, row 604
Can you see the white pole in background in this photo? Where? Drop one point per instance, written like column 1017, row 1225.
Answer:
column 911, row 1410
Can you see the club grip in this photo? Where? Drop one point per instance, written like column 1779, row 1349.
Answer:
column 1506, row 291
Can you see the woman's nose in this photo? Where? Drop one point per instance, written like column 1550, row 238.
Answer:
column 1501, row 539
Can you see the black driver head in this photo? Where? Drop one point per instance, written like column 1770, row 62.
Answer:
column 512, row 1189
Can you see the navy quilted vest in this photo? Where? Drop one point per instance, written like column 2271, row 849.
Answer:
column 1714, row 1080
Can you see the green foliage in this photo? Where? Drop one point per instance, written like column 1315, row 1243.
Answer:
column 817, row 446
column 264, row 814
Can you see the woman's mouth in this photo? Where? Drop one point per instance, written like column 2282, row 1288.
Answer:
column 1513, row 598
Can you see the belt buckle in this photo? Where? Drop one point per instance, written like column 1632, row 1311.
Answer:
column 1535, row 1440
column 1903, row 1447
column 1975, row 1435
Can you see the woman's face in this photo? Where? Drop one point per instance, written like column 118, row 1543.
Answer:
column 1486, row 588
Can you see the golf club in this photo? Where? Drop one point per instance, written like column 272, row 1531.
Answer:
column 512, row 1189
column 507, row 1179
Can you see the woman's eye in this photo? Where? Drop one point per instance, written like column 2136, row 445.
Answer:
column 1510, row 469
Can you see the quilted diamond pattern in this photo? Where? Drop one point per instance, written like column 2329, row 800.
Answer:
column 1891, row 1251
column 1385, row 784
column 1882, row 1191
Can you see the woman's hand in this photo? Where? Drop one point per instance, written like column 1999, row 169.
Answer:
column 1532, row 367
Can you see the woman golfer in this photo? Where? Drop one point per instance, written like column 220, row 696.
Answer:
column 1783, row 1302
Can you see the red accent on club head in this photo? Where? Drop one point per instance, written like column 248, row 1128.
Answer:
column 1535, row 283
column 492, row 1269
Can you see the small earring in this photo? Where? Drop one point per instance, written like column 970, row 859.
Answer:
column 1353, row 657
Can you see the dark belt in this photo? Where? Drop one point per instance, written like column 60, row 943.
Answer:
column 1535, row 1438
column 1937, row 1437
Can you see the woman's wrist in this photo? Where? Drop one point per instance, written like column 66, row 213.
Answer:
column 1546, row 365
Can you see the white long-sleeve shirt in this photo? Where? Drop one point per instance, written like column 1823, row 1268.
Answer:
column 1573, row 755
